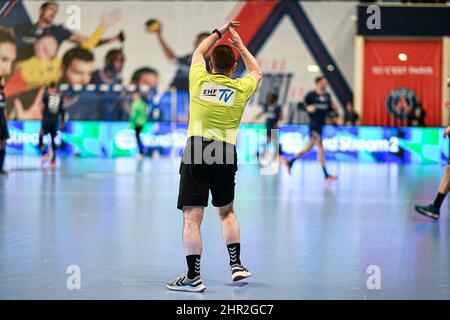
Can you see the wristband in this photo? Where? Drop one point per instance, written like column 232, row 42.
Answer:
column 218, row 33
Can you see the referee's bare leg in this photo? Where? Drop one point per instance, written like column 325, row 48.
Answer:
column 231, row 238
column 192, row 243
column 192, row 238
column 230, row 225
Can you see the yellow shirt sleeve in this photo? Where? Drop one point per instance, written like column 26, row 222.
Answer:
column 196, row 73
column 249, row 85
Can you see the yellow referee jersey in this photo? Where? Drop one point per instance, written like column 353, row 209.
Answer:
column 217, row 103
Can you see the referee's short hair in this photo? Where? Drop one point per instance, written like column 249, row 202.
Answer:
column 223, row 58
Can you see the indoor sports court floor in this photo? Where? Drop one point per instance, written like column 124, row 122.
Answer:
column 117, row 220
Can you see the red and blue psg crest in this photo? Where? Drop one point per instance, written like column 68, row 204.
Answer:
column 401, row 102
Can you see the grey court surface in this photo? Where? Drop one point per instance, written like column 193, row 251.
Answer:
column 117, row 221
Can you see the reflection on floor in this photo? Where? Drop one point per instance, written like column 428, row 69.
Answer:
column 117, row 220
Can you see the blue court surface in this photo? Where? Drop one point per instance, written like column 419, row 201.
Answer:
column 116, row 220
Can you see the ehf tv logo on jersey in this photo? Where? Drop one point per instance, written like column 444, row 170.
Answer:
column 217, row 93
column 401, row 102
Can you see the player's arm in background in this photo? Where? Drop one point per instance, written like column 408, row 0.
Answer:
column 206, row 45
column 34, row 112
column 96, row 39
column 310, row 106
column 107, row 21
column 168, row 52
column 250, row 62
column 258, row 115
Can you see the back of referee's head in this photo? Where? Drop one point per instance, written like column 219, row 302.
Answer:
column 223, row 59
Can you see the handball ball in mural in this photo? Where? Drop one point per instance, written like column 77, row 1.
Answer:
column 153, row 25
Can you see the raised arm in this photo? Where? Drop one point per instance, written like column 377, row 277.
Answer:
column 96, row 39
column 258, row 115
column 206, row 45
column 250, row 62
column 168, row 52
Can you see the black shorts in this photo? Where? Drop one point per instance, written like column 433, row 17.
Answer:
column 269, row 132
column 4, row 132
column 275, row 139
column 207, row 165
column 50, row 127
column 315, row 130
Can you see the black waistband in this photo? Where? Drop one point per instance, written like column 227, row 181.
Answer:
column 200, row 150
column 207, row 141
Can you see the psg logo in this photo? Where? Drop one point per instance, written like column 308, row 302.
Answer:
column 401, row 102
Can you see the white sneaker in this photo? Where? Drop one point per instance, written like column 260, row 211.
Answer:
column 183, row 283
column 239, row 272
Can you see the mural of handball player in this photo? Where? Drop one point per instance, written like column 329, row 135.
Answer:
column 433, row 210
column 28, row 33
column 45, row 67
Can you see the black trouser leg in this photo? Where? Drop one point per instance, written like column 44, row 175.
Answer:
column 2, row 157
column 41, row 141
column 53, row 136
column 138, row 130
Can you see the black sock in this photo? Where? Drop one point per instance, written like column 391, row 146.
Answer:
column 2, row 158
column 193, row 262
column 325, row 172
column 439, row 199
column 234, row 250
column 53, row 148
column 41, row 144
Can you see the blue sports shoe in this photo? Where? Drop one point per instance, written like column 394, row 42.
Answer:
column 429, row 211
column 239, row 272
column 183, row 283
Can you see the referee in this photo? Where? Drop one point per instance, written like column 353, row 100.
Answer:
column 209, row 161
